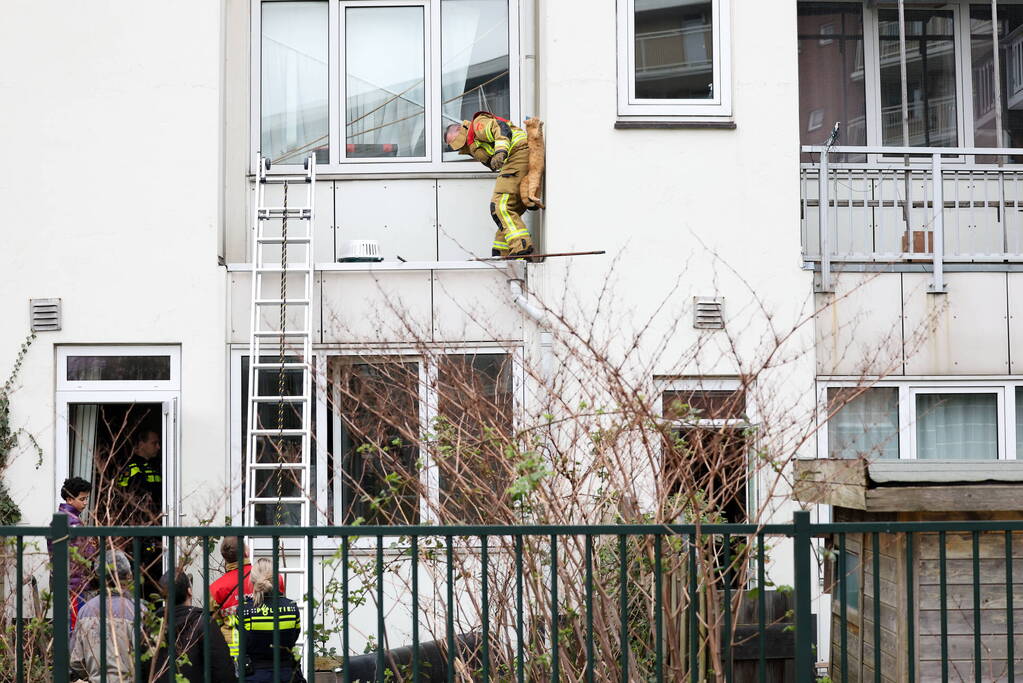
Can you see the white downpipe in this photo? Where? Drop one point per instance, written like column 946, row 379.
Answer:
column 537, row 316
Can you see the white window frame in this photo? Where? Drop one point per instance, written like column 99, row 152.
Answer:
column 696, row 384
column 165, row 392
column 434, row 162
column 171, row 384
column 719, row 106
column 909, row 389
column 427, row 411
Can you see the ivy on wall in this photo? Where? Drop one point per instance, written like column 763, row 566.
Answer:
column 10, row 513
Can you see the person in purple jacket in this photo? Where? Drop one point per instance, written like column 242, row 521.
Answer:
column 82, row 551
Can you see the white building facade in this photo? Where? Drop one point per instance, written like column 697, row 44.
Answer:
column 673, row 143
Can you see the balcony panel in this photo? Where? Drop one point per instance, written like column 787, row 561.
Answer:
column 884, row 211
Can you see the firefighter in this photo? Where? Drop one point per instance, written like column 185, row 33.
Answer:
column 501, row 147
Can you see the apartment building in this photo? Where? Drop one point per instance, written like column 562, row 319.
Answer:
column 684, row 139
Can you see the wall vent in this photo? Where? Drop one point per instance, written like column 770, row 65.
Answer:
column 708, row 313
column 45, row 314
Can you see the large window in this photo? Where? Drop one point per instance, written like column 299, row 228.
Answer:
column 924, row 420
column 370, row 85
column 852, row 56
column 673, row 58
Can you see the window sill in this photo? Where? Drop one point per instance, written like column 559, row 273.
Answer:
column 674, row 124
column 392, row 265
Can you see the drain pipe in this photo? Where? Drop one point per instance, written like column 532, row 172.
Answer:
column 515, row 285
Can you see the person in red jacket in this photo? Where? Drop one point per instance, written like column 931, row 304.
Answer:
column 224, row 591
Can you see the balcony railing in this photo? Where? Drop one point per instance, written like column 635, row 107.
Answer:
column 880, row 207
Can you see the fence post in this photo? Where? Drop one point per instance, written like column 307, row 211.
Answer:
column 823, row 200
column 61, row 627
column 803, row 585
column 938, row 227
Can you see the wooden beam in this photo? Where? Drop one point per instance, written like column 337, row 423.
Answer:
column 831, row 481
column 944, row 498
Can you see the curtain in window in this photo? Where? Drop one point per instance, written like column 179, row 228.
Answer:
column 83, row 419
column 294, row 81
column 866, row 424
column 957, row 426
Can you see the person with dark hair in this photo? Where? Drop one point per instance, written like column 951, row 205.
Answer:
column 82, row 551
column 143, row 476
column 119, row 665
column 224, row 591
column 189, row 646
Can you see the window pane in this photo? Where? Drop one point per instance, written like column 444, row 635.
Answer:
column 930, row 78
column 118, row 368
column 293, row 53
column 474, row 57
column 379, row 406
column 1010, row 42
column 385, row 82
column 863, row 423
column 472, row 431
column 831, row 73
column 957, row 426
column 691, row 405
column 674, row 50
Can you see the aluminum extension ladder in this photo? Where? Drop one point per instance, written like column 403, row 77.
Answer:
column 278, row 439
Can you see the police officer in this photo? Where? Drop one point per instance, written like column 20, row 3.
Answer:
column 259, row 618
column 143, row 473
column 501, row 147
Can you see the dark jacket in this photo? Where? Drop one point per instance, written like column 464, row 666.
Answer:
column 259, row 622
column 188, row 623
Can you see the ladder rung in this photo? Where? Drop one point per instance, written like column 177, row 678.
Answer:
column 276, row 465
column 278, row 399
column 282, row 240
column 274, row 500
column 267, row 365
column 281, row 179
column 278, row 432
column 263, row 334
column 280, row 302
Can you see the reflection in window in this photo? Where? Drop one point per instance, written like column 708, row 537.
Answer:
column 118, row 368
column 831, row 73
column 473, row 427
column 1010, row 42
column 674, row 46
column 385, row 92
column 474, row 57
column 379, row 405
column 864, row 423
column 957, row 426
column 930, row 74
column 269, row 449
column 293, row 53
column 1019, row 423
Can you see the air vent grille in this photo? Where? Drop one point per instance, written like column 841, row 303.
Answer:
column 708, row 313
column 45, row 314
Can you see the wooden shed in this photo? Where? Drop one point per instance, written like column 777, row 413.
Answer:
column 910, row 573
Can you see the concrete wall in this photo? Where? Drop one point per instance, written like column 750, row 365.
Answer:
column 110, row 191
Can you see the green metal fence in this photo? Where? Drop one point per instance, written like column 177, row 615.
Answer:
column 911, row 600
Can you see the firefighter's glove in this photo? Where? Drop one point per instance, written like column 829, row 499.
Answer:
column 497, row 161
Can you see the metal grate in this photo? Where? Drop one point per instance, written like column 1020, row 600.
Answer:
column 44, row 314
column 708, row 313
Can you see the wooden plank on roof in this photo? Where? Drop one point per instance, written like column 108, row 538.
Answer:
column 942, row 471
column 944, row 498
